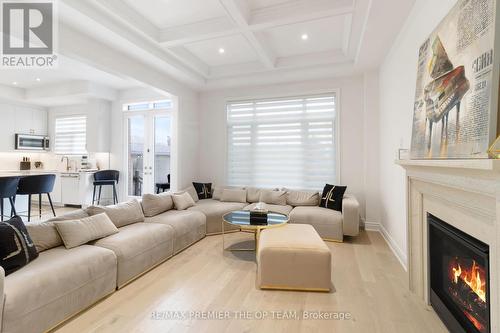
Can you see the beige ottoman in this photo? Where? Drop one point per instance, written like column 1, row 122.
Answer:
column 293, row 257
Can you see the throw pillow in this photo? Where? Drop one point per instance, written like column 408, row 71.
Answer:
column 273, row 197
column 121, row 214
column 204, row 190
column 16, row 247
column 192, row 192
column 332, row 197
column 253, row 193
column 44, row 235
column 183, row 201
column 154, row 204
column 302, row 198
column 78, row 232
column 234, row 195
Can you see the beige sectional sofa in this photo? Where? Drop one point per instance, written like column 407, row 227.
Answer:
column 62, row 282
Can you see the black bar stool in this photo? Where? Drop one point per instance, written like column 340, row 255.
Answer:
column 163, row 186
column 8, row 189
column 105, row 178
column 38, row 184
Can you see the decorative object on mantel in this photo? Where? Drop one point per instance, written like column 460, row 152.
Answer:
column 494, row 151
column 456, row 100
column 403, row 154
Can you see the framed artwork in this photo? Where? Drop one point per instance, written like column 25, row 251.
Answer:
column 456, row 100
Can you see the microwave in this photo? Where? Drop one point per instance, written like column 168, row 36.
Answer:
column 32, row 142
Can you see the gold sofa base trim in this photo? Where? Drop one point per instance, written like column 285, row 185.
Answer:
column 294, row 288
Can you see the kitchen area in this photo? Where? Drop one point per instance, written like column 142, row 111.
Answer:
column 69, row 141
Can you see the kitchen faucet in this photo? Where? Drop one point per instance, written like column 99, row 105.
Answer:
column 67, row 162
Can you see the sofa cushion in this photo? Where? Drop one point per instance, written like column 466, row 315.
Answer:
column 183, row 201
column 253, row 193
column 78, row 232
column 302, row 198
column 192, row 192
column 139, row 247
column 217, row 191
column 16, row 247
column 154, row 204
column 285, row 210
column 57, row 285
column 234, row 195
column 327, row 222
column 189, row 226
column 273, row 197
column 121, row 214
column 214, row 210
column 45, row 235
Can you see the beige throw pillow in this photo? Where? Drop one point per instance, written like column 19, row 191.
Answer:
column 273, row 197
column 192, row 192
column 44, row 234
column 302, row 198
column 234, row 195
column 183, row 201
column 77, row 232
column 154, row 204
column 121, row 214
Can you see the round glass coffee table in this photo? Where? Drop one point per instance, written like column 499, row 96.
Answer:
column 241, row 219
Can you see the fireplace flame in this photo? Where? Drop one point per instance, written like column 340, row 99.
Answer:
column 472, row 278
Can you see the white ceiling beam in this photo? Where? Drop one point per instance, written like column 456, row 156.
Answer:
column 118, row 25
column 125, row 12
column 188, row 33
column 239, row 12
column 191, row 60
column 298, row 11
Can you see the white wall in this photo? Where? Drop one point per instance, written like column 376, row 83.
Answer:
column 212, row 142
column 397, row 90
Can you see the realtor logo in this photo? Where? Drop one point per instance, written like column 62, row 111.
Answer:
column 28, row 34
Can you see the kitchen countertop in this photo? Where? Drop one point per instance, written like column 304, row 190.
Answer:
column 12, row 173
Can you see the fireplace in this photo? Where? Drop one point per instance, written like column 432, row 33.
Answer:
column 459, row 278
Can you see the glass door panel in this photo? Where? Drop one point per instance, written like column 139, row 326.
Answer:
column 162, row 151
column 148, row 152
column 136, row 148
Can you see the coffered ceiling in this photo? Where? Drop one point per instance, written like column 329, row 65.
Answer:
column 204, row 42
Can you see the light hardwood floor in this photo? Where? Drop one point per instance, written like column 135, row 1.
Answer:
column 368, row 281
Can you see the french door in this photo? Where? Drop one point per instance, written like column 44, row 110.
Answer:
column 148, row 148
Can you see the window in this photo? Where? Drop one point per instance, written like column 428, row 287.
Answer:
column 282, row 142
column 71, row 135
column 143, row 106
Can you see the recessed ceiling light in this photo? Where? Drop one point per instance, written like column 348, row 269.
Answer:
column 304, row 36
column 222, row 51
column 14, row 83
column 38, row 79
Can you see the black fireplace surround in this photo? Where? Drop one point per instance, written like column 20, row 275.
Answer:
column 459, row 278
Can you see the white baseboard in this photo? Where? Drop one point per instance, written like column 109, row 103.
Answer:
column 372, row 226
column 398, row 252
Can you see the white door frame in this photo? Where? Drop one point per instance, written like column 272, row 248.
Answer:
column 149, row 140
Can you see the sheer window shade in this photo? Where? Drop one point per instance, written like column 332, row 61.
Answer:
column 282, row 142
column 71, row 135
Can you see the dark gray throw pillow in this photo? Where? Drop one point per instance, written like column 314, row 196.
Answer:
column 332, row 197
column 204, row 190
column 16, row 247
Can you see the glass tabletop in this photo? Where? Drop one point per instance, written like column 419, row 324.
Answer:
column 242, row 217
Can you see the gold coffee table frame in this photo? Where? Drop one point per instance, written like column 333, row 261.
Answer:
column 256, row 229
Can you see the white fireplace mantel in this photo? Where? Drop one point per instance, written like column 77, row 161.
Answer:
column 465, row 194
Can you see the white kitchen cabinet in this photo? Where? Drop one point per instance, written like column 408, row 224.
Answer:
column 70, row 189
column 30, row 120
column 20, row 119
column 7, row 127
